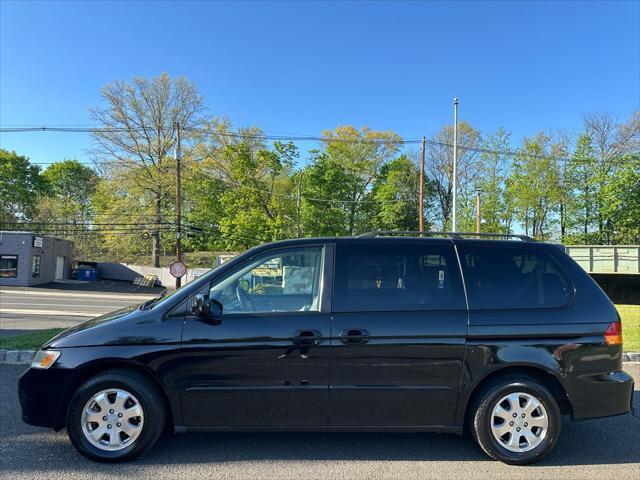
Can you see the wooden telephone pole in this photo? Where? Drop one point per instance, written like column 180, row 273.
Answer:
column 478, row 209
column 421, row 188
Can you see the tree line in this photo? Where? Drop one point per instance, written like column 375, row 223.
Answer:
column 242, row 187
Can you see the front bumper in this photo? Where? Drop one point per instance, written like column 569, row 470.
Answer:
column 43, row 395
column 601, row 395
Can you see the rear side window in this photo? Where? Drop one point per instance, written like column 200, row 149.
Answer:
column 397, row 277
column 512, row 278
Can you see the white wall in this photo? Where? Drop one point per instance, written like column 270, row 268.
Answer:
column 127, row 272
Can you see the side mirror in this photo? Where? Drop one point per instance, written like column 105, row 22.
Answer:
column 206, row 309
column 200, row 306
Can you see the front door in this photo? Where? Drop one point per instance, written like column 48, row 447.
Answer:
column 399, row 328
column 59, row 268
column 266, row 362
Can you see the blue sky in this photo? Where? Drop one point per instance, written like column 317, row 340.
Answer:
column 302, row 67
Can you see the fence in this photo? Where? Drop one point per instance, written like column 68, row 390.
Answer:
column 128, row 273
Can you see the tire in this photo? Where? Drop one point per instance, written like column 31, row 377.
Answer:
column 533, row 441
column 126, row 434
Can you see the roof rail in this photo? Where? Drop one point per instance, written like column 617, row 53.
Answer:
column 391, row 233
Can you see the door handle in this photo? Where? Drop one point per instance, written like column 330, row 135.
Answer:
column 306, row 337
column 354, row 335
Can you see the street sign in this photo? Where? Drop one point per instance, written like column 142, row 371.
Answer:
column 37, row 242
column 177, row 269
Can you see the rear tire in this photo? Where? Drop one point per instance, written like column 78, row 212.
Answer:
column 116, row 416
column 515, row 420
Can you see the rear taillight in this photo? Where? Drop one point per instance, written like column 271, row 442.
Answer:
column 613, row 334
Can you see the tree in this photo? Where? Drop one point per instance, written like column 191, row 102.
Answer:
column 138, row 133
column 581, row 189
column 610, row 140
column 252, row 200
column 72, row 184
column 535, row 186
column 492, row 175
column 337, row 184
column 20, row 186
column 621, row 201
column 395, row 191
column 440, row 167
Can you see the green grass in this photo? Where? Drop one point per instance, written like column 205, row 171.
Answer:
column 28, row 341
column 630, row 327
column 630, row 333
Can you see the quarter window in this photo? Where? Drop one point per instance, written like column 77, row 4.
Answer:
column 397, row 277
column 512, row 278
column 286, row 281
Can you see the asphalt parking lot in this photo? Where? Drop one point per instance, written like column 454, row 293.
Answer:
column 595, row 449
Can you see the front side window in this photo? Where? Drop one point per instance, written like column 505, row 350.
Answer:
column 397, row 277
column 284, row 281
column 499, row 278
column 8, row 266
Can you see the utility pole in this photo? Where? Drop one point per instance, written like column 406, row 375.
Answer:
column 177, row 155
column 455, row 161
column 478, row 190
column 421, row 189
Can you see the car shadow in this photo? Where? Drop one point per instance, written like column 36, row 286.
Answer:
column 583, row 443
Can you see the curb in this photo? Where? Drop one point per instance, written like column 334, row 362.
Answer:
column 631, row 357
column 17, row 357
column 22, row 357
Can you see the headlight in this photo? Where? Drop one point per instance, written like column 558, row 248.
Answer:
column 45, row 358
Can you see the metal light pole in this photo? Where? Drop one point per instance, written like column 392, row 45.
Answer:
column 455, row 161
column 177, row 155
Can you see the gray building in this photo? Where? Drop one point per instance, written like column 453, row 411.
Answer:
column 27, row 259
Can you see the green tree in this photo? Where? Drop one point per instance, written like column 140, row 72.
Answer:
column 496, row 206
column 621, row 201
column 535, row 186
column 337, row 184
column 20, row 186
column 252, row 186
column 611, row 140
column 395, row 191
column 581, row 189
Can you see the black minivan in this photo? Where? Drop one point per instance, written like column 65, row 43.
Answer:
column 383, row 332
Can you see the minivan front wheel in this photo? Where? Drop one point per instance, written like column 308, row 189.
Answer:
column 516, row 421
column 115, row 416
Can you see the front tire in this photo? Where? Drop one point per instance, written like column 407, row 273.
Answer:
column 116, row 416
column 516, row 420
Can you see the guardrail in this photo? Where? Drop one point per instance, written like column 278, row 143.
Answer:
column 609, row 259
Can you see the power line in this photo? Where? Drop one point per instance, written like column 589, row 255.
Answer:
column 296, row 138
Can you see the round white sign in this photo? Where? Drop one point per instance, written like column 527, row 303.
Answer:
column 177, row 269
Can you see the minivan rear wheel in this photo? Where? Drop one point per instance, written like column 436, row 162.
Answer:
column 516, row 420
column 116, row 416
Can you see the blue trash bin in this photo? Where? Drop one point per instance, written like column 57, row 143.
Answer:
column 87, row 274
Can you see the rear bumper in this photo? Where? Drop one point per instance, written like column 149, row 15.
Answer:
column 601, row 395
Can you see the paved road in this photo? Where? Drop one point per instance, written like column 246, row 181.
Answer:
column 595, row 449
column 23, row 310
